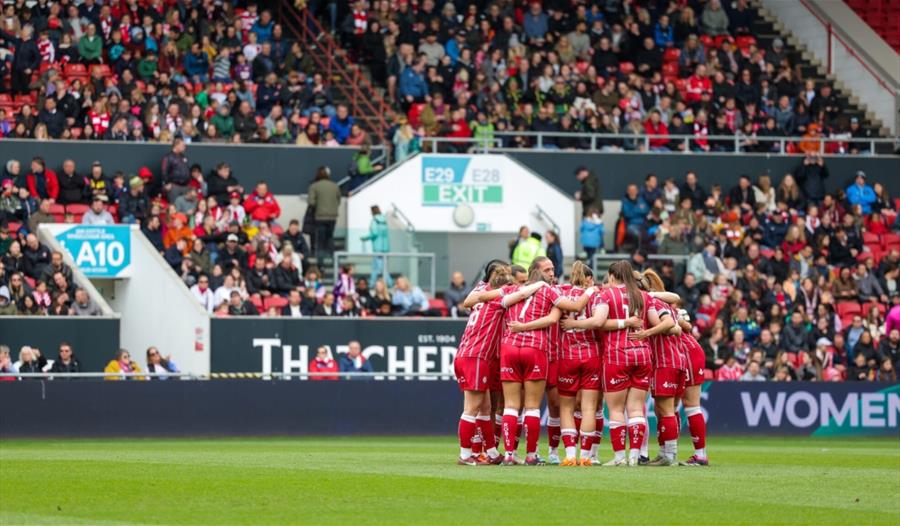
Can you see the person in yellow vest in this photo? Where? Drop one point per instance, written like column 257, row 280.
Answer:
column 527, row 250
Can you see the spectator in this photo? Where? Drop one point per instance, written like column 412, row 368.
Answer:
column 98, row 214
column 526, row 251
column 122, row 367
column 589, row 194
column 7, row 308
column 42, row 216
column 65, row 362
column 325, row 198
column 861, row 194
column 714, row 19
column 286, row 277
column 261, row 205
column 456, row 294
column 203, row 294
column 84, row 305
column 42, row 183
column 354, row 361
column 294, row 307
column 158, row 365
column 634, row 212
column 134, row 206
column 327, row 307
column 407, row 299
column 36, row 257
column 859, row 370
column 341, row 123
column 176, row 173
column 591, row 231
column 554, row 252
column 238, row 306
column 323, row 363
column 753, row 373
column 29, row 361
column 705, row 266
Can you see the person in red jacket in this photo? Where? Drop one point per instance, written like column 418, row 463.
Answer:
column 323, row 363
column 655, row 126
column 697, row 85
column 261, row 204
column 42, row 183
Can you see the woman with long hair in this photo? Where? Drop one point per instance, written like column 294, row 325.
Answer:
column 159, row 364
column 524, row 360
column 669, row 373
column 626, row 361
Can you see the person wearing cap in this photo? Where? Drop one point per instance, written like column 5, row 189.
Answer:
column 134, row 206
column 98, row 214
column 232, row 256
column 7, row 307
column 861, row 194
column 858, row 132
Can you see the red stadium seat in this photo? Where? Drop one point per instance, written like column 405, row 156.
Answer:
column 439, row 304
column 77, row 208
column 626, row 67
column 882, row 309
column 890, row 239
column 275, row 301
column 871, row 239
column 57, row 208
column 670, row 70
column 707, row 41
column 75, row 71
column 672, row 54
column 14, row 227
column 847, row 308
column 744, row 41
column 257, row 302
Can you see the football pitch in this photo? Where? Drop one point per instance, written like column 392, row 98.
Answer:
column 415, row 480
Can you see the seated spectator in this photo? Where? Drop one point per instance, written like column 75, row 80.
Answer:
column 729, row 371
column 407, row 299
column 456, row 294
column 7, row 307
column 294, row 307
column 84, row 305
column 323, row 363
column 327, row 307
column 161, row 366
column 178, row 230
column 6, row 365
column 753, row 373
column 122, row 365
column 203, row 293
column 66, row 362
column 98, row 214
column 238, row 306
column 860, row 371
column 261, row 205
column 354, row 362
column 861, row 194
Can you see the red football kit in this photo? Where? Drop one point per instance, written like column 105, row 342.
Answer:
column 579, row 363
column 525, row 355
column 626, row 363
column 668, row 359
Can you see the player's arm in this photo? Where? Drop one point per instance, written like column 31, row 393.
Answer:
column 631, row 323
column 576, row 305
column 659, row 326
column 481, row 296
column 522, row 294
column 596, row 321
column 668, row 297
column 683, row 321
column 540, row 323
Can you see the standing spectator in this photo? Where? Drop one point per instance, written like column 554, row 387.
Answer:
column 554, row 252
column 811, row 175
column 591, row 230
column 98, row 214
column 26, row 61
column 176, row 173
column 203, row 293
column 325, row 198
column 589, row 194
column 65, row 362
column 861, row 194
column 379, row 237
column 714, row 19
column 42, row 182
column 323, row 363
column 353, row 361
column 634, row 211
column 90, row 46
column 529, row 249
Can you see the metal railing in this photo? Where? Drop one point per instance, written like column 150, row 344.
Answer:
column 641, row 142
column 386, row 257
column 542, row 215
column 675, row 258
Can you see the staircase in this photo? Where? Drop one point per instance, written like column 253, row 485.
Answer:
column 350, row 84
column 767, row 27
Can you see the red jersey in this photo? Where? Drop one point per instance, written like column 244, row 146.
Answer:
column 667, row 350
column 481, row 336
column 617, row 348
column 579, row 344
column 533, row 308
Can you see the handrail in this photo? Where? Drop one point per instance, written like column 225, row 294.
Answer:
column 387, row 255
column 652, row 257
column 543, row 215
column 484, row 142
column 379, row 110
column 410, row 227
column 224, row 376
column 836, row 32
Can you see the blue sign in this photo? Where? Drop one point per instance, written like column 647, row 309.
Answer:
column 100, row 251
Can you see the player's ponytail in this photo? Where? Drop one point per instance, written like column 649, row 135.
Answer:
column 624, row 274
column 581, row 273
column 652, row 281
column 500, row 277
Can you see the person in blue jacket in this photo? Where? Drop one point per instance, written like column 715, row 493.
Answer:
column 859, row 193
column 634, row 211
column 354, row 362
column 341, row 123
column 591, row 233
column 413, row 87
column 196, row 64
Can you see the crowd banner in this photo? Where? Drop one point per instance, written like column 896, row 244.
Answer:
column 100, row 251
column 390, row 345
column 257, row 407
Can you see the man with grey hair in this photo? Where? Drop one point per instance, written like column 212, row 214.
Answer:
column 12, row 172
column 84, row 305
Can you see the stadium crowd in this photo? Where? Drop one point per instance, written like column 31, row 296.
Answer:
column 659, row 68
column 131, row 70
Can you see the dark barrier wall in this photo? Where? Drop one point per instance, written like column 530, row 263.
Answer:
column 287, row 169
column 93, row 340
column 256, row 407
column 286, row 345
column 616, row 170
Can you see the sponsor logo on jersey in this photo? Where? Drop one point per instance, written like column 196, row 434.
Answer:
column 595, row 378
column 616, row 381
column 461, row 379
column 566, row 380
column 506, row 370
column 669, row 385
column 537, row 369
column 484, row 380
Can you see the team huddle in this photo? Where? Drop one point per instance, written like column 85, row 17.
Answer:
column 579, row 344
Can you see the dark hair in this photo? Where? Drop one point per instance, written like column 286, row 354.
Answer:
column 517, row 269
column 323, row 172
column 491, row 267
column 624, row 274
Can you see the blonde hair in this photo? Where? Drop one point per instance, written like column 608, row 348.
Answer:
column 581, row 273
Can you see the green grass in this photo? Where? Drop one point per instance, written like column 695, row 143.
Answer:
column 415, row 481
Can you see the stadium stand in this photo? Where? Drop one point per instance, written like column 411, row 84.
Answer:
column 883, row 16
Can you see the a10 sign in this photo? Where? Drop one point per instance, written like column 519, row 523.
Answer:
column 100, row 251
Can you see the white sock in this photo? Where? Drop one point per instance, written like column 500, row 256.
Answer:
column 465, row 452
column 700, row 452
column 554, row 451
column 570, row 450
column 493, row 453
column 585, row 453
column 671, row 448
column 596, row 444
column 620, row 455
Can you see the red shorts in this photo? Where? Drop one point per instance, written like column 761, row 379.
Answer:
column 668, row 381
column 472, row 374
column 552, row 373
column 577, row 374
column 696, row 367
column 620, row 377
column 520, row 364
column 494, row 383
